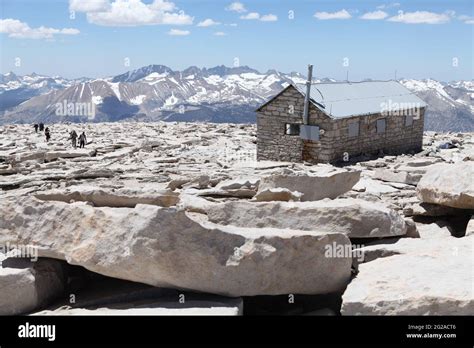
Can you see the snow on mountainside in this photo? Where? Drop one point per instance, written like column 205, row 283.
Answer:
column 11, row 81
column 155, row 92
column 16, row 89
column 219, row 94
column 450, row 105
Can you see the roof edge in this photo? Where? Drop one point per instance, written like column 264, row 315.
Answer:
column 275, row 96
column 322, row 107
column 291, row 84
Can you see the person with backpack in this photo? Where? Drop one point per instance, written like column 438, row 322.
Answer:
column 47, row 134
column 73, row 138
column 82, row 140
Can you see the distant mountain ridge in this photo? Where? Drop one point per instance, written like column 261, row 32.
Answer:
column 218, row 94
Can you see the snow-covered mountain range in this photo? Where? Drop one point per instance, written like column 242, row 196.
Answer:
column 219, row 94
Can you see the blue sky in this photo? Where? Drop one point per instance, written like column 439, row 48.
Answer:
column 370, row 39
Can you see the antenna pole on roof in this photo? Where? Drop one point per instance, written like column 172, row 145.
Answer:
column 347, row 75
column 307, row 96
column 395, row 74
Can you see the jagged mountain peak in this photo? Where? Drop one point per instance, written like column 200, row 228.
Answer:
column 9, row 76
column 222, row 70
column 192, row 70
column 137, row 74
column 273, row 72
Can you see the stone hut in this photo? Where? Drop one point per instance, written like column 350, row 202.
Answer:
column 332, row 122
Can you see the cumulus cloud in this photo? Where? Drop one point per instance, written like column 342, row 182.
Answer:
column 251, row 15
column 21, row 30
column 342, row 14
column 220, row 33
column 375, row 15
column 163, row 5
column 89, row 5
column 421, row 17
column 131, row 12
column 256, row 16
column 236, row 7
column 208, row 23
column 269, row 18
column 178, row 32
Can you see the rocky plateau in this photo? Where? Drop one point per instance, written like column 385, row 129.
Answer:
column 168, row 218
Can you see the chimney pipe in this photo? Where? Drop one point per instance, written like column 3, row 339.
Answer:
column 308, row 91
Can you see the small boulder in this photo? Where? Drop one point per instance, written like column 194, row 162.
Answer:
column 26, row 285
column 277, row 194
column 314, row 186
column 448, row 184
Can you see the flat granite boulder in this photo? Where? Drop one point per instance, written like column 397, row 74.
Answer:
column 400, row 176
column 27, row 285
column 355, row 218
column 430, row 209
column 228, row 307
column 414, row 277
column 327, row 183
column 167, row 247
column 102, row 197
column 448, row 184
column 277, row 194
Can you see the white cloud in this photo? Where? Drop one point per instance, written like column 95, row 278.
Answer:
column 251, row 15
column 375, row 15
column 269, row 18
column 342, row 14
column 236, row 7
column 163, row 5
column 384, row 6
column 89, row 5
column 420, row 17
column 207, row 23
column 256, row 16
column 466, row 19
column 135, row 12
column 177, row 32
column 20, row 30
column 220, row 33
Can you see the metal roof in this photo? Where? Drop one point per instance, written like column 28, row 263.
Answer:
column 346, row 99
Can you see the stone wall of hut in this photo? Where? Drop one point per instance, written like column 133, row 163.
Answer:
column 335, row 143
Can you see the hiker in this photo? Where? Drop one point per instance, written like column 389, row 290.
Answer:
column 41, row 127
column 82, row 140
column 47, row 134
column 36, row 127
column 73, row 138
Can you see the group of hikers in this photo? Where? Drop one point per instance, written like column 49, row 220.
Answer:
column 72, row 135
column 41, row 128
column 82, row 139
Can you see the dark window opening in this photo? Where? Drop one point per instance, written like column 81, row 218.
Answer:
column 292, row 129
